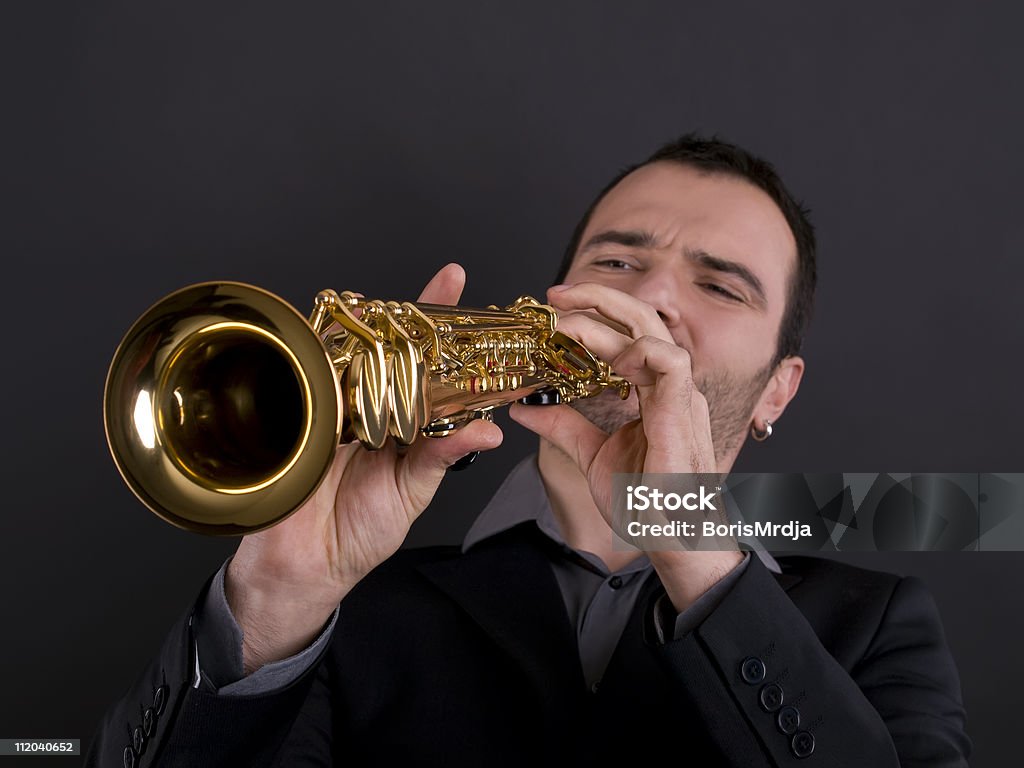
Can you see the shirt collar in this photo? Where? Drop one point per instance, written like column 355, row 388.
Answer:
column 522, row 498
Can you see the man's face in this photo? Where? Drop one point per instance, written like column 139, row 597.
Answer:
column 713, row 255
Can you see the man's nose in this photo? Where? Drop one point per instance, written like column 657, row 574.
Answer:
column 660, row 289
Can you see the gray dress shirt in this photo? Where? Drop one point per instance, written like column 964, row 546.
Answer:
column 598, row 602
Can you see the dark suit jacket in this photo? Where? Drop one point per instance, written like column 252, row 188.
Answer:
column 443, row 658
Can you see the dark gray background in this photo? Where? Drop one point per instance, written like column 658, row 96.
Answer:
column 308, row 145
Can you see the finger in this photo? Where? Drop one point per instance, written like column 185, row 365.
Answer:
column 649, row 359
column 703, row 444
column 565, row 428
column 678, row 430
column 445, row 287
column 595, row 335
column 596, row 317
column 438, row 453
column 420, row 471
column 639, row 317
column 663, row 380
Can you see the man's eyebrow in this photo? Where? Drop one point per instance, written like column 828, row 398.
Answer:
column 633, row 238
column 717, row 264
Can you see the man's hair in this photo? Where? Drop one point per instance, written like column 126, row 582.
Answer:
column 711, row 155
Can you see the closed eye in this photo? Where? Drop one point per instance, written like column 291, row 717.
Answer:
column 717, row 289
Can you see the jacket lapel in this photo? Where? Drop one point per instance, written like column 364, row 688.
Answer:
column 787, row 580
column 507, row 586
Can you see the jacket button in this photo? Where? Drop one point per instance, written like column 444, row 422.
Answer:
column 752, row 669
column 148, row 722
column 802, row 743
column 129, row 757
column 139, row 740
column 788, row 720
column 160, row 699
column 771, row 697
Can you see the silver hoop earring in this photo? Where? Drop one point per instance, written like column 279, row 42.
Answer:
column 761, row 436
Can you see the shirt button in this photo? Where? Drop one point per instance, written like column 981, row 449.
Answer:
column 802, row 744
column 615, row 582
column 752, row 670
column 595, row 686
column 771, row 697
column 129, row 758
column 788, row 720
column 138, row 740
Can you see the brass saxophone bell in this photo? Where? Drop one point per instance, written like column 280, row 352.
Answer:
column 224, row 407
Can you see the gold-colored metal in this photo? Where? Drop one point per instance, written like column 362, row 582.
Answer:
column 224, row 407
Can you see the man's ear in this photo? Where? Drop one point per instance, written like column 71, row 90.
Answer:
column 780, row 389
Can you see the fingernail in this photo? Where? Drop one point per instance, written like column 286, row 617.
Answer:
column 561, row 287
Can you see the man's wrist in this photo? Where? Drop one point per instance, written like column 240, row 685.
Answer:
column 277, row 621
column 686, row 576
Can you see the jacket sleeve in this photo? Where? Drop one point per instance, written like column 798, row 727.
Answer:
column 762, row 682
column 166, row 719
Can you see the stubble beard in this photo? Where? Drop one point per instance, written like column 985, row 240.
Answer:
column 731, row 402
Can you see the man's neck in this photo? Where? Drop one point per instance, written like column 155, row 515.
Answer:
column 580, row 521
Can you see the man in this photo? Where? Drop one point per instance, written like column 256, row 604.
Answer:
column 692, row 274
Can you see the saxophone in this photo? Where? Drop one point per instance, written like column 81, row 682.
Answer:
column 224, row 407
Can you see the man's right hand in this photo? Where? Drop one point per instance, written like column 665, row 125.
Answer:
column 283, row 583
